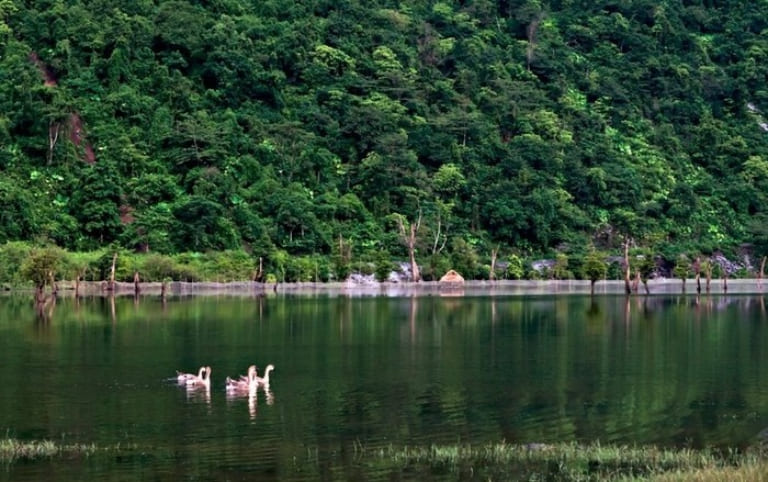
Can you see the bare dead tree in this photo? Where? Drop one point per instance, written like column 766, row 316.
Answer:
column 627, row 287
column 494, row 255
column 697, row 270
column 111, row 286
column 636, row 282
column 408, row 233
column 437, row 245
column 53, row 136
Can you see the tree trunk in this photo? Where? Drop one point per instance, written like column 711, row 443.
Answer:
column 494, row 255
column 592, row 287
column 112, row 273
column 259, row 275
column 761, row 274
column 409, row 239
column 709, row 275
column 627, row 288
column 54, row 286
column 415, row 274
column 697, row 270
column 136, row 287
column 53, row 137
column 40, row 294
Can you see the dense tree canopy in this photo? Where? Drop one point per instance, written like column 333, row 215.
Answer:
column 283, row 127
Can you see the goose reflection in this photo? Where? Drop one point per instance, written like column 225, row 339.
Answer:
column 252, row 399
column 269, row 396
column 195, row 394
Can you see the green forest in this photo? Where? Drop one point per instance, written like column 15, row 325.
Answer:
column 302, row 140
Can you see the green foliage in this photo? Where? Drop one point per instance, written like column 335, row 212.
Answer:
column 12, row 256
column 560, row 269
column 383, row 266
column 515, row 268
column 42, row 265
column 594, row 267
column 437, row 265
column 464, row 258
column 226, row 126
column 682, row 267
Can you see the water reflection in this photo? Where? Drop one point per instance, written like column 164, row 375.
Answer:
column 198, row 394
column 234, row 397
column 670, row 369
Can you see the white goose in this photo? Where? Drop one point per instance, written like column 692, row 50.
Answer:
column 245, row 384
column 182, row 378
column 203, row 381
column 264, row 381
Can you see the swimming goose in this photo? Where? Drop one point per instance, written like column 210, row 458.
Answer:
column 201, row 381
column 245, row 383
column 264, row 381
column 184, row 377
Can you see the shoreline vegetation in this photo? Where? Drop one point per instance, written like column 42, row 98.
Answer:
column 495, row 461
column 49, row 269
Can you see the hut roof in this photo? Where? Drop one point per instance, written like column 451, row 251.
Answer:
column 452, row 277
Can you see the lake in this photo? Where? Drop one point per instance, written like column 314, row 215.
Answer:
column 356, row 373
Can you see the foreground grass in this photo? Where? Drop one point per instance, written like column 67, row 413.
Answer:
column 12, row 450
column 532, row 462
column 572, row 462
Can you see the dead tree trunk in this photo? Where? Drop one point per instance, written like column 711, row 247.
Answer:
column 709, row 275
column 627, row 288
column 111, row 286
column 761, row 274
column 136, row 283
column 54, row 286
column 408, row 237
column 697, row 270
column 53, row 136
column 259, row 274
column 40, row 294
column 494, row 255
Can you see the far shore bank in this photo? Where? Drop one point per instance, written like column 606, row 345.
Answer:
column 661, row 286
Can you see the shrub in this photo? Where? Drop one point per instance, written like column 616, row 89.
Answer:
column 12, row 255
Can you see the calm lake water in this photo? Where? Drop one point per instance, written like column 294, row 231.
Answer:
column 365, row 372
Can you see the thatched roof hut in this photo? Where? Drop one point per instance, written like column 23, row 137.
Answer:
column 452, row 277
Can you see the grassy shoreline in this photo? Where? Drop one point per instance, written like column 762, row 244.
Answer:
column 501, row 461
column 571, row 461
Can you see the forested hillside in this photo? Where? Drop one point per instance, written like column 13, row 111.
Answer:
column 333, row 127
